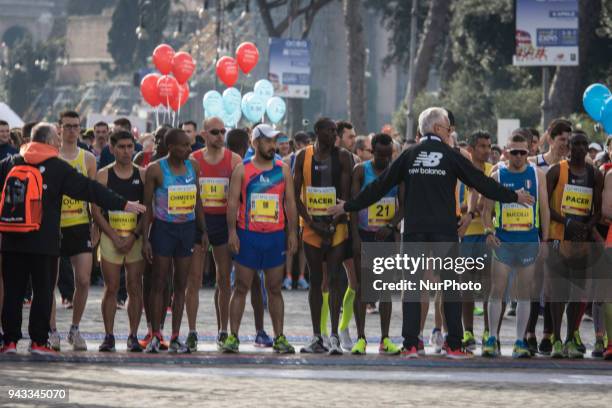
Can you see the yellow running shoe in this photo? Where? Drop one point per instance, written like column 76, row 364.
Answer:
column 388, row 348
column 360, row 347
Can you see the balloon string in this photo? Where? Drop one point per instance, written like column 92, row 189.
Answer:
column 178, row 114
column 156, row 116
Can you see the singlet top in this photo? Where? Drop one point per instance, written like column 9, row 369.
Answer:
column 146, row 159
column 382, row 212
column 262, row 199
column 476, row 227
column 321, row 183
column 214, row 182
column 175, row 200
column 541, row 163
column 132, row 189
column 75, row 212
column 515, row 222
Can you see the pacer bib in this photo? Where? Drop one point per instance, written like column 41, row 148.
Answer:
column 576, row 200
column 381, row 212
column 122, row 222
column 319, row 199
column 264, row 208
column 516, row 217
column 213, row 191
column 181, row 199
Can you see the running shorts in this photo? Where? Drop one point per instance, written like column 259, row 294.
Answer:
column 110, row 254
column 75, row 240
column 174, row 240
column 261, row 250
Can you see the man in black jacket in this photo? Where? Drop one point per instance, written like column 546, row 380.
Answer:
column 430, row 170
column 36, row 253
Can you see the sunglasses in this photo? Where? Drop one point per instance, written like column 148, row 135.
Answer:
column 217, row 132
column 517, row 152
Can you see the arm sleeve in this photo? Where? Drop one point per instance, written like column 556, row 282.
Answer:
column 379, row 187
column 476, row 179
column 79, row 187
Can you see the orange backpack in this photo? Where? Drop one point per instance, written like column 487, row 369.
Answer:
column 21, row 204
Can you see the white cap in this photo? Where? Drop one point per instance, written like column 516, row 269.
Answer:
column 595, row 146
column 264, row 130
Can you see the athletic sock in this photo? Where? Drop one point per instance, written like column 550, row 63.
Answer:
column 608, row 314
column 347, row 309
column 495, row 308
column 325, row 314
column 523, row 309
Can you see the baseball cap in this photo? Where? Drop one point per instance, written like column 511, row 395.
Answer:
column 264, row 130
column 595, row 146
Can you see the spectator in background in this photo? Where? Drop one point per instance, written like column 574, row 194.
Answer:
column 87, row 139
column 363, row 148
column 594, row 148
column 147, row 141
column 101, row 132
column 238, row 141
column 106, row 157
column 535, row 141
column 496, row 153
column 283, row 147
column 16, row 139
column 26, row 130
column 346, row 136
column 191, row 128
column 6, row 148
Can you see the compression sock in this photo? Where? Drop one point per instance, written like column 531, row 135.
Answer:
column 325, row 314
column 347, row 309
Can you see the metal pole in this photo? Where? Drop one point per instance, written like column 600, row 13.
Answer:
column 411, row 69
column 545, row 101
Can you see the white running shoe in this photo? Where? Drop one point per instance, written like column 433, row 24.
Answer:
column 76, row 340
column 345, row 340
column 54, row 340
column 335, row 348
column 437, row 341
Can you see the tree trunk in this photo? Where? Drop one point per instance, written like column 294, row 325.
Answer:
column 567, row 83
column 435, row 29
column 356, row 64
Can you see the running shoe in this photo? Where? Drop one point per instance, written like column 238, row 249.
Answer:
column 388, row 348
column 572, row 350
column 598, row 349
column 76, row 340
column 133, row 345
column 436, row 340
column 9, row 348
column 458, row 354
column 359, row 348
column 282, row 346
column 532, row 344
column 120, row 305
column 231, row 344
column 335, row 349
column 558, row 351
column 546, row 346
column 67, row 304
column 163, row 344
column 411, row 352
column 27, row 302
column 287, row 284
column 54, row 340
column 607, row 355
column 490, row 348
column 221, row 337
column 478, row 311
column 145, row 341
column 192, row 341
column 41, row 349
column 469, row 341
column 177, row 346
column 485, row 336
column 108, row 345
column 315, row 346
column 326, row 342
column 421, row 346
column 371, row 308
column 345, row 340
column 512, row 310
column 263, row 340
column 302, row 284
column 578, row 342
column 153, row 345
column 520, row 349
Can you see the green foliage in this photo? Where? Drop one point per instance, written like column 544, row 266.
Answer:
column 594, row 130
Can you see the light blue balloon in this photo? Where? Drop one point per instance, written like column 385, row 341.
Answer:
column 213, row 103
column 253, row 107
column 275, row 109
column 231, row 100
column 593, row 100
column 231, row 119
column 606, row 115
column 264, row 89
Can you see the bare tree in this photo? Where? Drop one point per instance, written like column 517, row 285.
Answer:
column 356, row 64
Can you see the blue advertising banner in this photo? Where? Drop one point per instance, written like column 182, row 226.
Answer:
column 546, row 33
column 289, row 69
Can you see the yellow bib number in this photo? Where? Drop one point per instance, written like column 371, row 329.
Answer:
column 319, row 199
column 264, row 208
column 576, row 200
column 213, row 191
column 74, row 212
column 382, row 212
column 515, row 217
column 181, row 199
column 122, row 222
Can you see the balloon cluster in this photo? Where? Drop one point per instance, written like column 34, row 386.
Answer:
column 597, row 101
column 170, row 89
column 231, row 105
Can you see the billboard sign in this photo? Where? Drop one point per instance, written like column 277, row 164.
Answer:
column 290, row 67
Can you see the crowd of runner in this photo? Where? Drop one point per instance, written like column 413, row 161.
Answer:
column 259, row 199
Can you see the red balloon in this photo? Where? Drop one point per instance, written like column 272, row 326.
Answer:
column 182, row 66
column 162, row 58
column 227, row 70
column 247, row 55
column 181, row 98
column 168, row 89
column 149, row 91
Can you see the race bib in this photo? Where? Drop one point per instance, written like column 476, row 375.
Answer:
column 73, row 212
column 181, row 199
column 122, row 222
column 382, row 212
column 319, row 199
column 576, row 200
column 213, row 191
column 264, row 208
column 515, row 217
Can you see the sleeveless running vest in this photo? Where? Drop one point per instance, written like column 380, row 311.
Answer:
column 515, row 222
column 541, row 163
column 262, row 207
column 132, row 189
column 175, row 200
column 75, row 212
column 382, row 212
column 214, row 182
column 476, row 227
column 146, row 159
